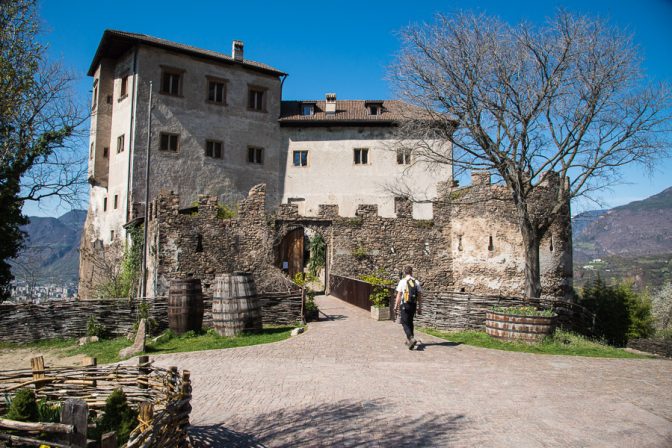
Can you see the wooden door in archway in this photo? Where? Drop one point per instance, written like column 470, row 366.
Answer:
column 291, row 252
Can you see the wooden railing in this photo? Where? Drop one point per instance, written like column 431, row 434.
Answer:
column 457, row 310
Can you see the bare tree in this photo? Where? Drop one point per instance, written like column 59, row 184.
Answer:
column 518, row 101
column 39, row 155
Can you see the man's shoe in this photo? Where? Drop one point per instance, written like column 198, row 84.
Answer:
column 411, row 343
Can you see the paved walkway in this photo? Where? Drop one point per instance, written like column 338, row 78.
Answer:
column 350, row 381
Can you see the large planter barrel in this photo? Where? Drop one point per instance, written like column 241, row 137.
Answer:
column 185, row 305
column 518, row 328
column 235, row 305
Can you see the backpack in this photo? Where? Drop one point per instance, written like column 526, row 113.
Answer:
column 411, row 292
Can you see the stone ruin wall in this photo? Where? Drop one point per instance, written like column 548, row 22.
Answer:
column 450, row 252
column 487, row 247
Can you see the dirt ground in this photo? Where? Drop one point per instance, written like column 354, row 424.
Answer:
column 14, row 359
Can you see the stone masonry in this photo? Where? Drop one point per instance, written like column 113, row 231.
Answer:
column 471, row 244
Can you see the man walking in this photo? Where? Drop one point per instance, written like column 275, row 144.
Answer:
column 408, row 296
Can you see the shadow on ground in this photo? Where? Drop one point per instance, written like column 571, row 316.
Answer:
column 344, row 423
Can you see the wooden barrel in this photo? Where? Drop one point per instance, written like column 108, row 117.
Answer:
column 185, row 305
column 518, row 328
column 235, row 305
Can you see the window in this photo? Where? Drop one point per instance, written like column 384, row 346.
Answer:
column 255, row 99
column 91, row 152
column 111, row 235
column 169, row 142
column 300, row 158
column 308, row 109
column 116, row 201
column 361, row 156
column 123, row 91
column 213, row 149
column 398, row 201
column 216, row 91
column 120, row 143
column 403, row 156
column 95, row 94
column 171, row 81
column 255, row 155
column 104, row 204
column 108, row 98
column 106, row 152
column 374, row 109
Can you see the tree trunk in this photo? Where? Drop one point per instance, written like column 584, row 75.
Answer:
column 532, row 266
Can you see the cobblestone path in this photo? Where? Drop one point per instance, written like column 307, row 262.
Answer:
column 350, row 381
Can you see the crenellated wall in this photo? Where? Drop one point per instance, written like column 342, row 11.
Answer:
column 471, row 244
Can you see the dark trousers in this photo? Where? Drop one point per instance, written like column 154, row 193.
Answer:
column 407, row 311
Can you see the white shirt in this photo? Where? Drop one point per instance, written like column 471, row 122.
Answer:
column 401, row 287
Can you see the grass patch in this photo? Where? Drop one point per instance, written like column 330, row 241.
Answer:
column 107, row 351
column 560, row 343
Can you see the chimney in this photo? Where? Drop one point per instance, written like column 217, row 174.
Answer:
column 331, row 103
column 237, row 50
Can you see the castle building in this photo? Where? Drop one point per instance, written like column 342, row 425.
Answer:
column 219, row 126
column 216, row 125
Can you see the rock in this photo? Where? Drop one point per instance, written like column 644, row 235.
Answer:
column 87, row 340
column 139, row 344
column 297, row 331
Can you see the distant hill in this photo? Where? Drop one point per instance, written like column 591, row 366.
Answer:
column 51, row 253
column 633, row 241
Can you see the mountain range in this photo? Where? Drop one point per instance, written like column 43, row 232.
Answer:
column 51, row 252
column 631, row 242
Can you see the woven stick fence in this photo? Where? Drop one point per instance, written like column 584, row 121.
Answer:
column 161, row 395
column 458, row 311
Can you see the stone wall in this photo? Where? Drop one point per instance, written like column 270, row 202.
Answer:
column 472, row 244
column 487, row 247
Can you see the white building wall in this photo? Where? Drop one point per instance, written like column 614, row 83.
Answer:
column 332, row 177
column 189, row 172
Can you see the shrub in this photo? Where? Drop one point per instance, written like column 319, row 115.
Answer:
column 380, row 296
column 661, row 308
column 620, row 313
column 225, row 212
column 95, row 328
column 23, row 407
column 522, row 311
column 48, row 411
column 317, row 254
column 118, row 416
column 360, row 252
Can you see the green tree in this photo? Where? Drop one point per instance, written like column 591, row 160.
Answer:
column 620, row 313
column 38, row 119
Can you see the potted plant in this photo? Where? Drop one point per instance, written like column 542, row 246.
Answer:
column 380, row 295
column 519, row 323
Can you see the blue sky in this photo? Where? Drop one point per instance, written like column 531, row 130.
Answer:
column 338, row 46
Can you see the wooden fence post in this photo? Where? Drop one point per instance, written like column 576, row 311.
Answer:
column 144, row 370
column 37, row 364
column 109, row 440
column 92, row 364
column 75, row 412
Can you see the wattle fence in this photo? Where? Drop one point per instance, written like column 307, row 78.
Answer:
column 27, row 322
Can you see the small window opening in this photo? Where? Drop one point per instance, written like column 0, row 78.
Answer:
column 551, row 246
column 106, row 152
column 199, row 243
column 490, row 245
column 425, row 249
column 112, row 235
column 459, row 243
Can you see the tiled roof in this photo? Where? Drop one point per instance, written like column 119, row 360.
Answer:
column 114, row 43
column 352, row 111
